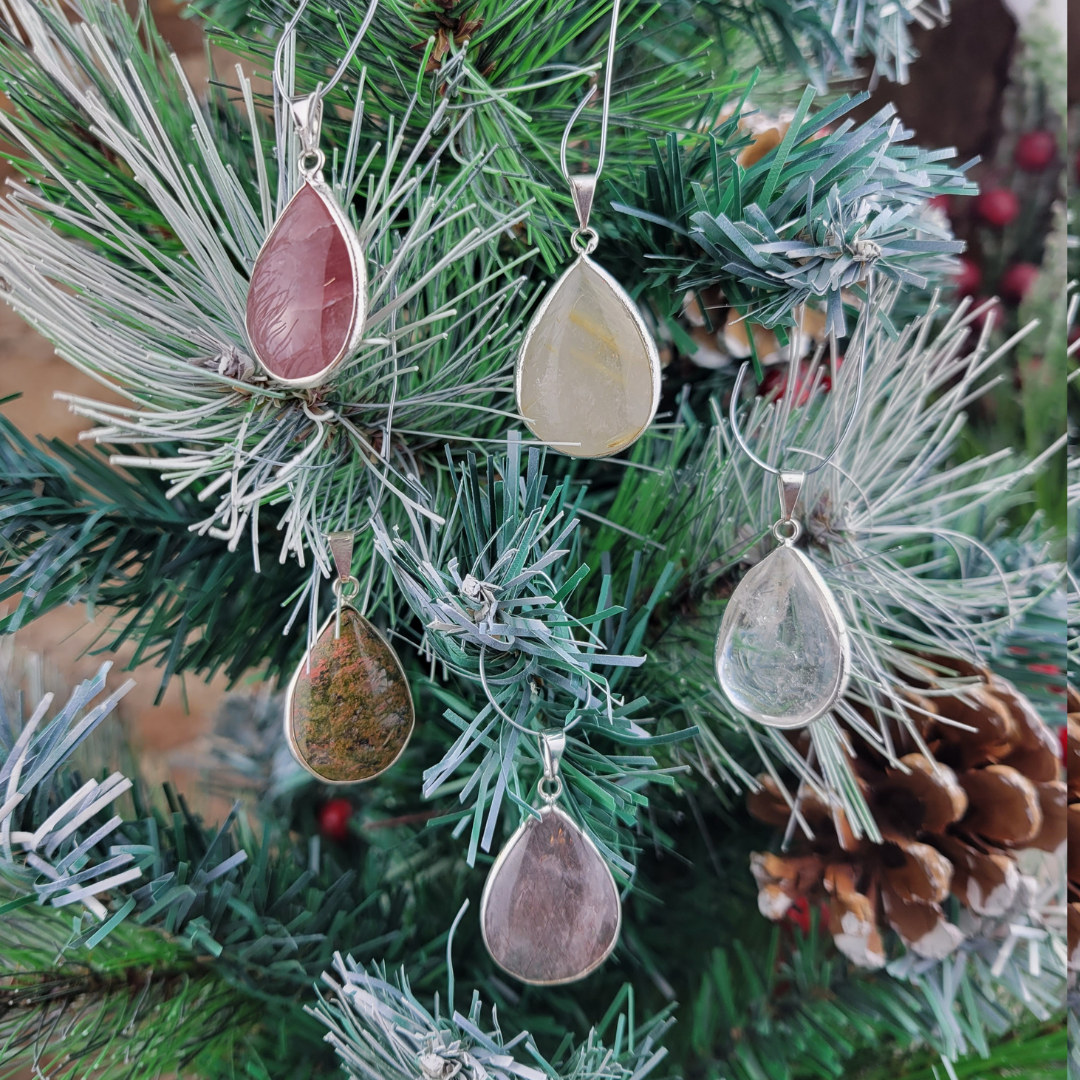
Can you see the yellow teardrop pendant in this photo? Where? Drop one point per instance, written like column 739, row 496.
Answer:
column 588, row 375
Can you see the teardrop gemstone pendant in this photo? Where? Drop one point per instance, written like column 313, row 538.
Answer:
column 307, row 296
column 349, row 711
column 550, row 911
column 783, row 653
column 588, row 376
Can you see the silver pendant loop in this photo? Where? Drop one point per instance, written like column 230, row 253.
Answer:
column 786, row 530
column 549, row 790
column 584, row 241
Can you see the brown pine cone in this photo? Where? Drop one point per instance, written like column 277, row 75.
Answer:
column 951, row 822
column 1072, row 765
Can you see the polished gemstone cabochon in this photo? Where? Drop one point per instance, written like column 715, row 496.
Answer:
column 349, row 711
column 305, row 296
column 782, row 654
column 588, row 379
column 550, row 911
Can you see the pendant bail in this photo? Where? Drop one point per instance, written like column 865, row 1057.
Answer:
column 307, row 117
column 341, row 551
column 790, row 485
column 552, row 745
column 583, row 190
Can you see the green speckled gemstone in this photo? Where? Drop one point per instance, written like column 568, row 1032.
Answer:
column 349, row 712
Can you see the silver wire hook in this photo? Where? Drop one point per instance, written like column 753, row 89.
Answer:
column 494, row 704
column 322, row 89
column 733, row 412
column 608, row 73
column 552, row 741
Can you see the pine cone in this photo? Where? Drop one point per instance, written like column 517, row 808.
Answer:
column 1072, row 763
column 951, row 823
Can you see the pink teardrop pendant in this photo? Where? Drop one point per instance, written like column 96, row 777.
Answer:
column 307, row 297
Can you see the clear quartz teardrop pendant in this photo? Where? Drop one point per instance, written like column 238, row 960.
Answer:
column 783, row 655
column 307, row 296
column 588, row 376
column 349, row 711
column 550, row 911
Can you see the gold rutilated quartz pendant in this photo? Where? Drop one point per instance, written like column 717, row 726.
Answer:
column 588, row 374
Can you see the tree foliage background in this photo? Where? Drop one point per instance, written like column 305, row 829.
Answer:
column 137, row 938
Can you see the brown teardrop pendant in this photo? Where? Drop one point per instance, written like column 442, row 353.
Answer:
column 306, row 299
column 550, row 911
column 349, row 711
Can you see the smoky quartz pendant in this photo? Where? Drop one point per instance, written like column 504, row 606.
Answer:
column 550, row 912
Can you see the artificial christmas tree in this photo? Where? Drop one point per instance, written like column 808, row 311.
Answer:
column 312, row 293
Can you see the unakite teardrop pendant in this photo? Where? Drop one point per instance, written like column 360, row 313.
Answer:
column 588, row 376
column 349, row 711
column 550, row 911
column 782, row 655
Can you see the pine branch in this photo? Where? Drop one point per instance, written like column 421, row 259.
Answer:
column 259, row 904
column 164, row 325
column 806, row 222
column 526, row 66
column 135, row 997
column 493, row 599
column 380, row 1030
column 795, row 1012
column 819, row 39
column 916, row 550
column 75, row 530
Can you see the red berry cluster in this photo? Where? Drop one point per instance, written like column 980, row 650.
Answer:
column 998, row 207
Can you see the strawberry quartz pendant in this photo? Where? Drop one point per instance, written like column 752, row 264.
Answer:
column 307, row 295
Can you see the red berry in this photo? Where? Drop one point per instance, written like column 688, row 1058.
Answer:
column 1044, row 669
column 799, row 914
column 1064, row 735
column 1016, row 282
column 334, row 815
column 775, row 381
column 997, row 207
column 1035, row 150
column 968, row 278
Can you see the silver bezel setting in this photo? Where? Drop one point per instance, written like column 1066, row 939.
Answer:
column 357, row 259
column 843, row 637
column 642, row 329
column 289, row 738
column 497, row 865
